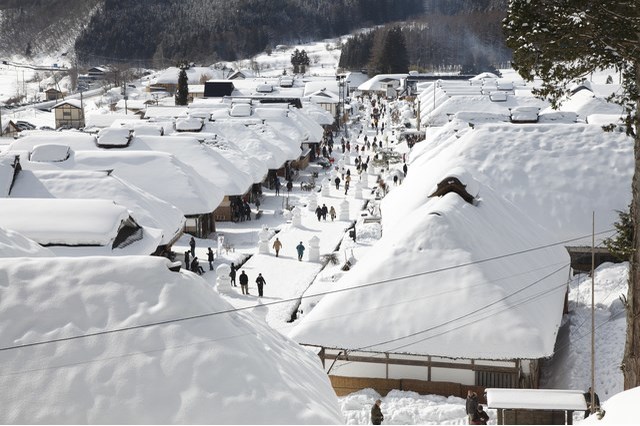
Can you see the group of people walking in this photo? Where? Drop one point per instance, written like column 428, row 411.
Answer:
column 243, row 278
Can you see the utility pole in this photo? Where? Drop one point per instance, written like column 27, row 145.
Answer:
column 593, row 313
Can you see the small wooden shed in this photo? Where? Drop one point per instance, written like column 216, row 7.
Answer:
column 535, row 406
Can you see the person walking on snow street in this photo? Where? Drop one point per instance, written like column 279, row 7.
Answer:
column 277, row 185
column 260, row 282
column 232, row 274
column 244, row 283
column 300, row 249
column 376, row 413
column 324, row 211
column 319, row 212
column 277, row 245
column 210, row 258
column 337, row 181
column 187, row 262
column 192, row 244
column 332, row 213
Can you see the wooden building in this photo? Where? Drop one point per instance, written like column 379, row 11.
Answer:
column 69, row 114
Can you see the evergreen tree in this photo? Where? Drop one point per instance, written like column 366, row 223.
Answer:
column 390, row 53
column 562, row 41
column 182, row 92
column 300, row 61
column 621, row 245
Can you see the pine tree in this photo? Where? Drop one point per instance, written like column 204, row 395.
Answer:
column 621, row 245
column 562, row 41
column 389, row 53
column 182, row 92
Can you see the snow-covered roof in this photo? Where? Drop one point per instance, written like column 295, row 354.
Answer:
column 331, row 87
column 536, row 399
column 14, row 244
column 69, row 222
column 188, row 124
column 380, row 81
column 447, row 106
column 156, row 112
column 254, row 164
column 448, row 300
column 213, row 167
column 74, row 140
column 264, row 149
column 106, row 120
column 114, row 138
column 73, row 102
column 583, row 177
column 226, row 368
column 317, row 113
column 157, row 173
column 148, row 210
column 194, row 75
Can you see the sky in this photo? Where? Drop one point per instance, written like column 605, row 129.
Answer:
column 558, row 175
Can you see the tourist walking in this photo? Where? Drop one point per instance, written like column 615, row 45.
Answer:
column 210, row 258
column 232, row 274
column 244, row 282
column 300, row 250
column 332, row 213
column 192, row 244
column 277, row 245
column 260, row 282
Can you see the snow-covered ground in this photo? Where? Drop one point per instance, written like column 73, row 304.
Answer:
column 287, row 280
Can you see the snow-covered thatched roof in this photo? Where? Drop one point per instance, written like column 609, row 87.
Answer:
column 82, row 223
column 429, row 287
column 148, row 210
column 158, row 173
column 218, row 368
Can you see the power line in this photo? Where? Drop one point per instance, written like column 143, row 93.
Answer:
column 228, row 311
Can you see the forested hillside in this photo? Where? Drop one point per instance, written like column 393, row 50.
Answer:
column 438, row 34
column 205, row 31
column 32, row 27
column 453, row 35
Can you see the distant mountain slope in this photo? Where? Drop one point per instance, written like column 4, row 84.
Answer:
column 32, row 27
column 205, row 30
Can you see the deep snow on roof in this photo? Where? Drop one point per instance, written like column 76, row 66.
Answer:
column 14, row 244
column 221, row 368
column 147, row 209
column 63, row 221
column 558, row 173
column 446, row 299
column 157, row 173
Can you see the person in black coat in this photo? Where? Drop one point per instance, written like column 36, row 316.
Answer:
column 260, row 282
column 210, row 258
column 376, row 413
column 195, row 266
column 480, row 417
column 244, row 283
column 587, row 399
column 187, row 262
column 232, row 274
column 192, row 244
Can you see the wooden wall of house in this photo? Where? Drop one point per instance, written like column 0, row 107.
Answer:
column 534, row 417
column 345, row 385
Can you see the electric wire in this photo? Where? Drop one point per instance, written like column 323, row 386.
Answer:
column 228, row 311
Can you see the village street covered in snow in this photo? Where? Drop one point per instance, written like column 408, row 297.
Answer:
column 451, row 249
